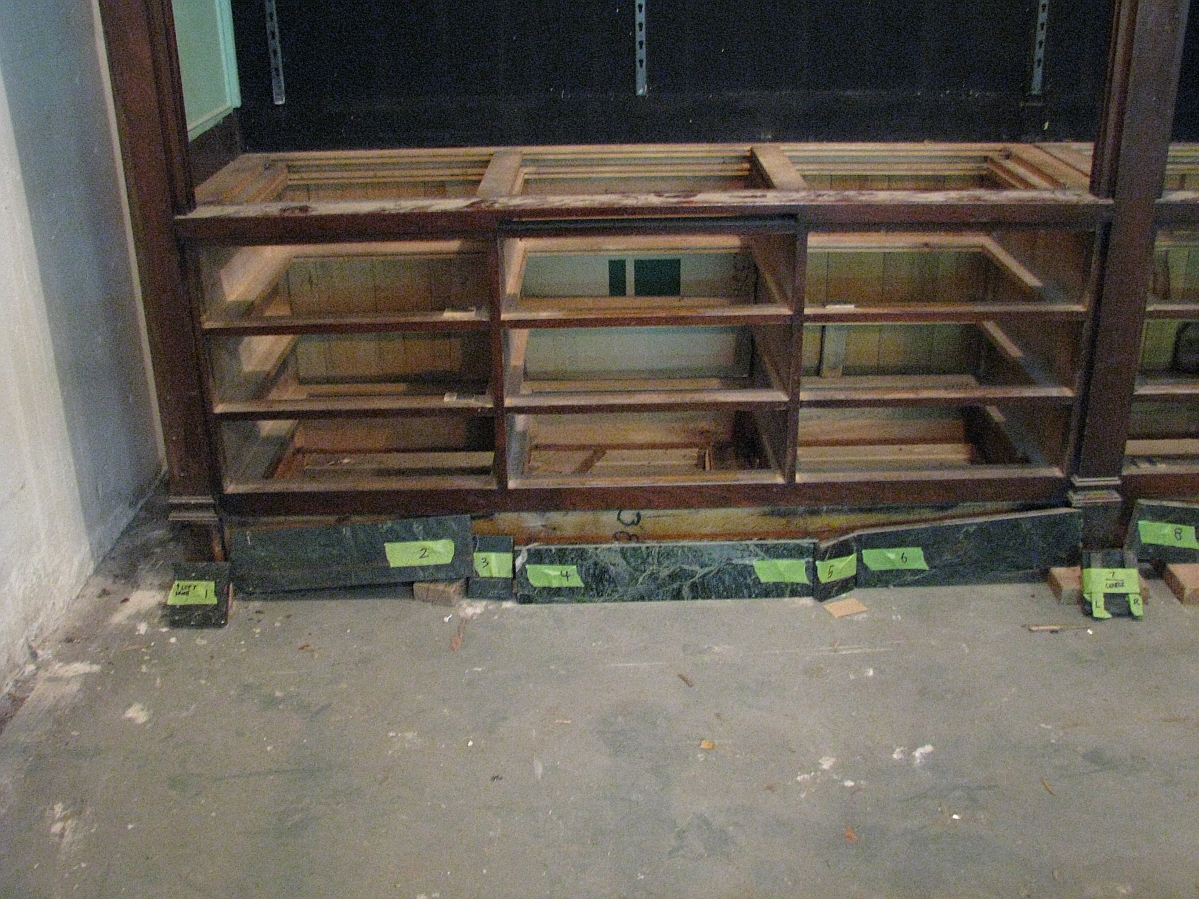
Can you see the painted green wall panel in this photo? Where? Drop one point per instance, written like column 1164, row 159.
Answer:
column 207, row 61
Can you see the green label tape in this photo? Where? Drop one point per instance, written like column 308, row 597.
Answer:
column 1163, row 534
column 836, row 569
column 419, row 552
column 782, row 571
column 1110, row 580
column 553, row 575
column 902, row 558
column 493, row 565
column 1136, row 605
column 192, row 593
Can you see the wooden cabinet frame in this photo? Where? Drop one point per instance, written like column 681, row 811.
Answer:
column 770, row 192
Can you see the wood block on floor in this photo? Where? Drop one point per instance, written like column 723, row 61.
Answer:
column 440, row 593
column 1066, row 584
column 1183, row 579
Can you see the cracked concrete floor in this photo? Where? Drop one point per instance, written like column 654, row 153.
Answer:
column 931, row 747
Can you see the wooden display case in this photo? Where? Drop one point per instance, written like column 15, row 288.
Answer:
column 771, row 324
column 910, row 331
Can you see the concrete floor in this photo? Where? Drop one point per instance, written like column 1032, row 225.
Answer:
column 931, row 747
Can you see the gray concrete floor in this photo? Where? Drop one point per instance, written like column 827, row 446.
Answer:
column 930, row 747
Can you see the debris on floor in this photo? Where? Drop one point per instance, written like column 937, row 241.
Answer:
column 843, row 608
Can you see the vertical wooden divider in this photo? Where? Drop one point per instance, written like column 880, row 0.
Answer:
column 499, row 280
column 1129, row 167
column 798, row 286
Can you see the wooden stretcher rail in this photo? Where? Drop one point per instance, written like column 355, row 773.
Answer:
column 966, row 313
column 932, row 396
column 266, row 223
column 351, row 406
column 1042, row 485
column 615, row 318
column 365, row 323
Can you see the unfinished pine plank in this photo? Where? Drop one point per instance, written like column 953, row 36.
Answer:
column 775, row 168
column 1183, row 580
column 398, row 462
column 1015, row 171
column 516, row 350
column 322, row 407
column 516, row 254
column 1180, row 447
column 657, row 429
column 245, row 276
column 231, row 181
column 941, row 455
column 503, row 176
column 1064, row 173
column 658, row 313
column 633, row 401
column 832, row 351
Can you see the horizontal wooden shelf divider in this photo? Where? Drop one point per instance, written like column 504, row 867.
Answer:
column 1167, row 387
column 965, row 313
column 365, row 323
column 832, row 396
column 683, row 316
column 352, row 406
column 648, row 400
column 267, row 223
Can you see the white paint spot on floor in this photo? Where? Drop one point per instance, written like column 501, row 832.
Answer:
column 804, row 778
column 827, row 762
column 140, row 601
column 72, row 669
column 899, row 753
column 142, row 628
column 62, row 825
column 870, row 672
column 538, row 768
column 919, row 755
column 848, row 783
column 137, row 713
column 467, row 610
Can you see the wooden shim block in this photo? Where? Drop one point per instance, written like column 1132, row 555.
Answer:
column 503, row 176
column 440, row 593
column 1066, row 584
column 843, row 608
column 1183, row 580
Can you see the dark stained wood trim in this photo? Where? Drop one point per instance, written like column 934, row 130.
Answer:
column 1129, row 166
column 265, row 223
column 214, row 149
column 149, row 108
column 1045, row 486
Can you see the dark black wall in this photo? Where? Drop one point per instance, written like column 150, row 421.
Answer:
column 404, row 73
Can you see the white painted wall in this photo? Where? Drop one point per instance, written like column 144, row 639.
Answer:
column 79, row 449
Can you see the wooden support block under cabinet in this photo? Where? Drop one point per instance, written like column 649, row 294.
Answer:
column 1183, row 580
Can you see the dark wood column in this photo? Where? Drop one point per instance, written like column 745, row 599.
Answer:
column 149, row 105
column 1129, row 167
